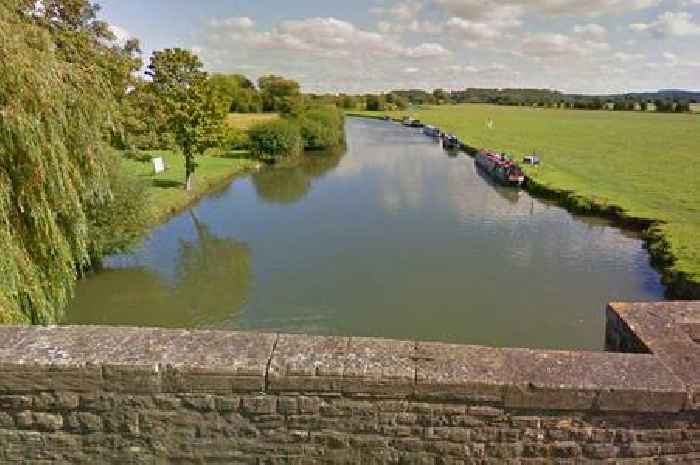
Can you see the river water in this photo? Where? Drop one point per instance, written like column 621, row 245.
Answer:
column 394, row 238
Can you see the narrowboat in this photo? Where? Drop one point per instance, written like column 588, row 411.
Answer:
column 450, row 142
column 500, row 167
column 412, row 123
column 431, row 131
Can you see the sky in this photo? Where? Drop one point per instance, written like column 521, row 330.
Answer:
column 356, row 46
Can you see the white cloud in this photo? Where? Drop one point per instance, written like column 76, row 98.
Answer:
column 482, row 43
column 669, row 24
column 405, row 10
column 628, row 57
column 328, row 37
column 427, row 50
column 591, row 30
column 477, row 9
column 481, row 32
column 544, row 46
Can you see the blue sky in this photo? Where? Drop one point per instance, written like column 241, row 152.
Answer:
column 591, row 46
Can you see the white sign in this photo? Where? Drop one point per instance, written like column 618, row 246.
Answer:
column 158, row 165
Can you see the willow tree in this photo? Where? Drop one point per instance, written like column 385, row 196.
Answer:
column 53, row 117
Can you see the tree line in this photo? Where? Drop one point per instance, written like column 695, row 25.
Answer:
column 662, row 102
column 72, row 104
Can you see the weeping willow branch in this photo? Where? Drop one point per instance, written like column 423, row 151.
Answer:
column 53, row 117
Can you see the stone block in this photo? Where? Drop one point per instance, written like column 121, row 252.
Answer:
column 466, row 373
column 259, row 405
column 39, row 421
column 84, row 423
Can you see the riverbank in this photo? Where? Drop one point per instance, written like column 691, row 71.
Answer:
column 166, row 190
column 634, row 168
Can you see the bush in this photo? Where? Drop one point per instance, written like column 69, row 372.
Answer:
column 121, row 220
column 322, row 128
column 135, row 154
column 235, row 139
column 273, row 140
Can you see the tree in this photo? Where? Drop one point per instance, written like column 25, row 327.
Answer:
column 374, row 102
column 239, row 92
column 348, row 102
column 274, row 90
column 55, row 116
column 441, row 97
column 194, row 110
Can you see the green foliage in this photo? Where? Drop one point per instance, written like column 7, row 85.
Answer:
column 194, row 110
column 235, row 139
column 238, row 91
column 280, row 94
column 348, row 102
column 122, row 219
column 276, row 139
column 375, row 102
column 322, row 127
column 144, row 121
column 55, row 114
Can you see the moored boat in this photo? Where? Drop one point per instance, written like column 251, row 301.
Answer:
column 450, row 142
column 411, row 122
column 500, row 167
column 431, row 131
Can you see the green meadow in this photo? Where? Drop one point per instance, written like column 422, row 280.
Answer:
column 166, row 190
column 646, row 164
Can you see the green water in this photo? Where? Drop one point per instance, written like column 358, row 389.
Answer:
column 393, row 238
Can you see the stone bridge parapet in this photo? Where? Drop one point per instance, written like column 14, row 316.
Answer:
column 74, row 395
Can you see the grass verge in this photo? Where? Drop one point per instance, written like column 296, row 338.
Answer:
column 642, row 168
column 166, row 190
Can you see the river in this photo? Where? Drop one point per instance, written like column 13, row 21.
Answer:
column 394, row 238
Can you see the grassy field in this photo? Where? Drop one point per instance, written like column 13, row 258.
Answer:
column 695, row 107
column 245, row 121
column 166, row 190
column 646, row 164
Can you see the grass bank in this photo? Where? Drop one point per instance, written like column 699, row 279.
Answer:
column 637, row 167
column 167, row 190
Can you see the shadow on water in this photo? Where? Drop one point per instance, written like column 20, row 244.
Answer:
column 211, row 283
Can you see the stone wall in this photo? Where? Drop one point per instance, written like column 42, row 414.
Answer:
column 90, row 395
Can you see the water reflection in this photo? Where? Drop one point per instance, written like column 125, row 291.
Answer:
column 509, row 194
column 212, row 278
column 290, row 182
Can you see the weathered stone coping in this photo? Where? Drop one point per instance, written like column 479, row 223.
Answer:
column 668, row 330
column 131, row 360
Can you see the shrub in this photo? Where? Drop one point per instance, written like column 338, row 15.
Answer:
column 322, row 127
column 235, row 139
column 132, row 153
column 120, row 220
column 273, row 140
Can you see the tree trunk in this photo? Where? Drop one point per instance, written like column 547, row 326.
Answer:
column 189, row 172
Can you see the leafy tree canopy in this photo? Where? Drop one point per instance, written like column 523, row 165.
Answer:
column 54, row 116
column 194, row 109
